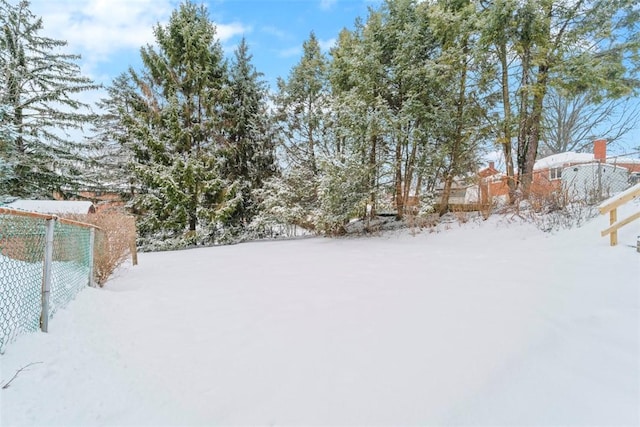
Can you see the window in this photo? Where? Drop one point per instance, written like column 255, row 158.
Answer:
column 555, row 173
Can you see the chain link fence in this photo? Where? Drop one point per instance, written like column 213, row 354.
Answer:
column 44, row 262
column 594, row 182
column 71, row 267
column 586, row 183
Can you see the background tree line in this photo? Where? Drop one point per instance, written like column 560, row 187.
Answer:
column 403, row 103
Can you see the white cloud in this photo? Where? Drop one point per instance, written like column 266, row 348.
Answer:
column 227, row 31
column 100, row 29
column 327, row 44
column 327, row 4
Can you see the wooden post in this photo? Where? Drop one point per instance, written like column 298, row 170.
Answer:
column 92, row 241
column 613, row 217
column 620, row 224
column 46, row 275
column 611, row 207
column 134, row 252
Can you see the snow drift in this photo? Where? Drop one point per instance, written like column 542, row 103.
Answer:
column 486, row 323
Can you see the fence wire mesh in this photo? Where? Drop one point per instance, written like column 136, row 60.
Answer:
column 22, row 243
column 70, row 268
column 22, row 264
column 595, row 182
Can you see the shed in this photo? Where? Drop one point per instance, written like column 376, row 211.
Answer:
column 594, row 181
column 54, row 207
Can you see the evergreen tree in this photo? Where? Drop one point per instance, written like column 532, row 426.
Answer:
column 176, row 128
column 414, row 93
column 38, row 86
column 109, row 149
column 7, row 151
column 343, row 192
column 386, row 93
column 360, row 116
column 301, row 105
column 461, row 106
column 249, row 139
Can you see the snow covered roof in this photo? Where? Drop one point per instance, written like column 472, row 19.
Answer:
column 595, row 165
column 53, row 206
column 625, row 160
column 561, row 159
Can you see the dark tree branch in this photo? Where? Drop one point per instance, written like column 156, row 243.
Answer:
column 6, row 385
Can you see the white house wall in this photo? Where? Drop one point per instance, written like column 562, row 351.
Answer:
column 594, row 181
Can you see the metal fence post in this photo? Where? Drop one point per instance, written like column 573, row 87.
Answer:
column 92, row 241
column 46, row 275
column 599, row 191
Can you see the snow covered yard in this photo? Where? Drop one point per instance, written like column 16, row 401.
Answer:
column 489, row 323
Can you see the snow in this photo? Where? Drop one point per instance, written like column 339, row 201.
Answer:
column 483, row 323
column 620, row 196
column 623, row 160
column 19, row 304
column 561, row 159
column 569, row 157
column 52, row 207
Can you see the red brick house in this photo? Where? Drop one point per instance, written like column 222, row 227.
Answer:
column 574, row 172
column 548, row 173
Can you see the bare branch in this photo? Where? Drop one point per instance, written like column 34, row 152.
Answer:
column 571, row 124
column 6, row 385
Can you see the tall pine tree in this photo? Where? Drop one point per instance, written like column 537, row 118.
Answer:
column 301, row 105
column 38, row 85
column 249, row 138
column 177, row 132
column 109, row 150
column 7, row 151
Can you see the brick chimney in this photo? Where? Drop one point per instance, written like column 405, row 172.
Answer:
column 492, row 165
column 600, row 149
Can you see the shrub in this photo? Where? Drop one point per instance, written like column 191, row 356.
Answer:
column 114, row 241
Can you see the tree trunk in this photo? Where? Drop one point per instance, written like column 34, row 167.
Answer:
column 523, row 125
column 506, row 128
column 446, row 194
column 409, row 170
column 418, row 186
column 533, row 130
column 311, row 142
column 458, row 138
column 17, row 122
column 372, row 174
column 193, row 217
column 398, row 181
column 531, row 134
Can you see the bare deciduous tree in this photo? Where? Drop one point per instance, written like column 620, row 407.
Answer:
column 572, row 123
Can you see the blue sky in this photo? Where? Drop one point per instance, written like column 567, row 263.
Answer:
column 109, row 33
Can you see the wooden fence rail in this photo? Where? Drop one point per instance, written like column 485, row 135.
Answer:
column 45, row 217
column 611, row 205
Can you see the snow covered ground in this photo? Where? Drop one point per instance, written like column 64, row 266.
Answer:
column 20, row 304
column 488, row 323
